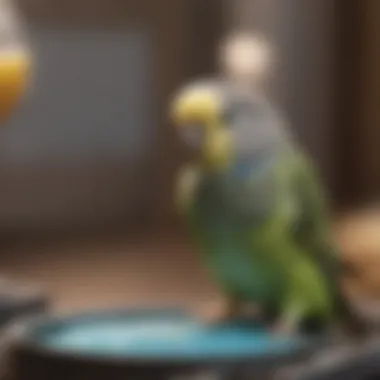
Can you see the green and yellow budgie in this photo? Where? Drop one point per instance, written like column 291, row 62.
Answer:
column 255, row 208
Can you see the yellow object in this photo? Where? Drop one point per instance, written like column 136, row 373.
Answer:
column 14, row 80
column 217, row 149
column 197, row 106
column 202, row 108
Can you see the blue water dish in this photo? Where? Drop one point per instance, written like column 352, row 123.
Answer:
column 159, row 335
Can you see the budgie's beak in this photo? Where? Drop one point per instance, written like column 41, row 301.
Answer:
column 14, row 77
column 198, row 115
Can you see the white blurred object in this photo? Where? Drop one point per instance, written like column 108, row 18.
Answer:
column 12, row 34
column 246, row 58
column 15, row 59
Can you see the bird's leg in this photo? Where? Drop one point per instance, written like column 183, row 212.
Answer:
column 289, row 322
column 223, row 310
column 252, row 310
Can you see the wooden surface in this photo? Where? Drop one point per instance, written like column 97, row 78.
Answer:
column 114, row 272
column 158, row 269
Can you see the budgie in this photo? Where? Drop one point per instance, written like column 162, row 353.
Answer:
column 253, row 201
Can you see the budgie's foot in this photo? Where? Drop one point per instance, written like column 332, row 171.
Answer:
column 288, row 324
column 284, row 327
column 221, row 311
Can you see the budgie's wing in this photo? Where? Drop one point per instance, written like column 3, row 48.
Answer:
column 313, row 231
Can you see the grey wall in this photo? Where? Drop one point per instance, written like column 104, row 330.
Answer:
column 302, row 33
column 79, row 149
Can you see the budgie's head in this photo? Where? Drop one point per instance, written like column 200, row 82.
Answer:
column 227, row 119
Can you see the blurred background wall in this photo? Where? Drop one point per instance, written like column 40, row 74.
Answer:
column 80, row 148
column 83, row 151
column 357, row 85
column 93, row 145
column 367, row 97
